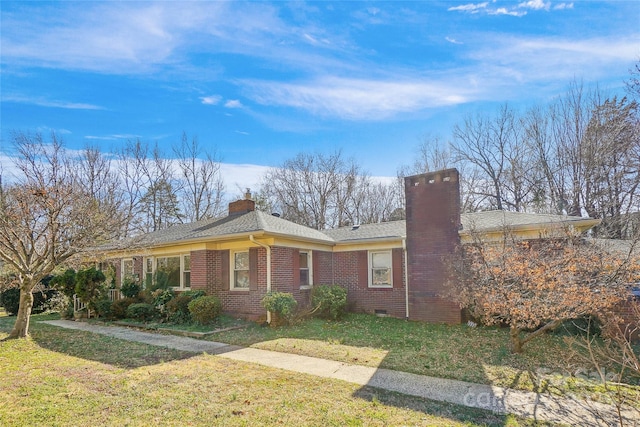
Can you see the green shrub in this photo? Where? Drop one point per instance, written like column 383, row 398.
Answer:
column 161, row 297
column 141, row 311
column 178, row 309
column 283, row 304
column 10, row 300
column 205, row 309
column 119, row 307
column 65, row 282
column 43, row 295
column 103, row 308
column 90, row 286
column 194, row 294
column 329, row 301
column 130, row 289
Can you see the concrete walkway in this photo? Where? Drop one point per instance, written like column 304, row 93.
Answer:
column 500, row 400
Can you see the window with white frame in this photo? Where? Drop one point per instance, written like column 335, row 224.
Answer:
column 186, row 271
column 148, row 271
column 306, row 273
column 168, row 270
column 380, row 269
column 126, row 272
column 240, row 270
column 173, row 271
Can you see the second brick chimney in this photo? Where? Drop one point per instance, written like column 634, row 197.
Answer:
column 240, row 207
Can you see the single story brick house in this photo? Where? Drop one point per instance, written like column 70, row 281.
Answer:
column 393, row 268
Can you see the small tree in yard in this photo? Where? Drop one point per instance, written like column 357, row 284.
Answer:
column 533, row 286
column 46, row 217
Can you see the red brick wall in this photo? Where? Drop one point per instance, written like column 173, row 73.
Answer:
column 351, row 272
column 241, row 206
column 433, row 221
column 322, row 268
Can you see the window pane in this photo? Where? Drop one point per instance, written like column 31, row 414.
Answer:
column 241, row 261
column 127, row 267
column 381, row 276
column 187, row 279
column 304, row 277
column 381, row 260
column 241, row 279
column 187, row 263
column 304, row 260
column 170, row 267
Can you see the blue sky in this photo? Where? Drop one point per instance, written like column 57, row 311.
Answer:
column 262, row 81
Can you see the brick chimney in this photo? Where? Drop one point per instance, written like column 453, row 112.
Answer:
column 433, row 221
column 240, row 207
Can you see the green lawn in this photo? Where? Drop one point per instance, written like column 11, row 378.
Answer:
column 62, row 377
column 459, row 352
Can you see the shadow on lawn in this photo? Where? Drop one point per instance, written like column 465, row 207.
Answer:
column 95, row 347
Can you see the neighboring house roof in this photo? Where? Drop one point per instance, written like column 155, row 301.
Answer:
column 498, row 220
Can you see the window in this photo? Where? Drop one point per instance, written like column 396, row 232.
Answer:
column 306, row 279
column 148, row 272
column 380, row 269
column 168, row 271
column 186, row 271
column 240, row 267
column 127, row 270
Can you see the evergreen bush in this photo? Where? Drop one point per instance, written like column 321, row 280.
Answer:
column 329, row 301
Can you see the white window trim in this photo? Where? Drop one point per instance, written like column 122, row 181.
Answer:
column 145, row 262
column 370, row 269
column 232, row 270
column 310, row 269
column 123, row 273
column 154, row 264
column 182, row 271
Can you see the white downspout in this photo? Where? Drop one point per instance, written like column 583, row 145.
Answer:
column 406, row 279
column 268, row 248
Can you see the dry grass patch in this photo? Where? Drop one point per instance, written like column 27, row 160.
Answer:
column 59, row 384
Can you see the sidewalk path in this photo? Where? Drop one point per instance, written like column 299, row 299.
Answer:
column 500, row 400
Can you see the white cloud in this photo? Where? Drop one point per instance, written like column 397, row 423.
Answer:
column 357, row 99
column 562, row 6
column 233, row 103
column 452, row 40
column 505, row 11
column 211, row 100
column 471, row 7
column 510, row 61
column 534, row 4
column 242, row 176
column 42, row 102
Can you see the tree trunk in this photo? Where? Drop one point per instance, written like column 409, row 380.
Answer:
column 21, row 327
column 516, row 342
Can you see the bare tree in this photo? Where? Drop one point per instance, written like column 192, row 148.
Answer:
column 611, row 156
column 203, row 188
column 491, row 146
column 47, row 217
column 324, row 191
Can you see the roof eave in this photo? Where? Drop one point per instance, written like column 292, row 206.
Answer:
column 585, row 223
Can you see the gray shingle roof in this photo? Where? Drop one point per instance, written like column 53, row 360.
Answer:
column 369, row 231
column 257, row 221
column 251, row 222
column 498, row 219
